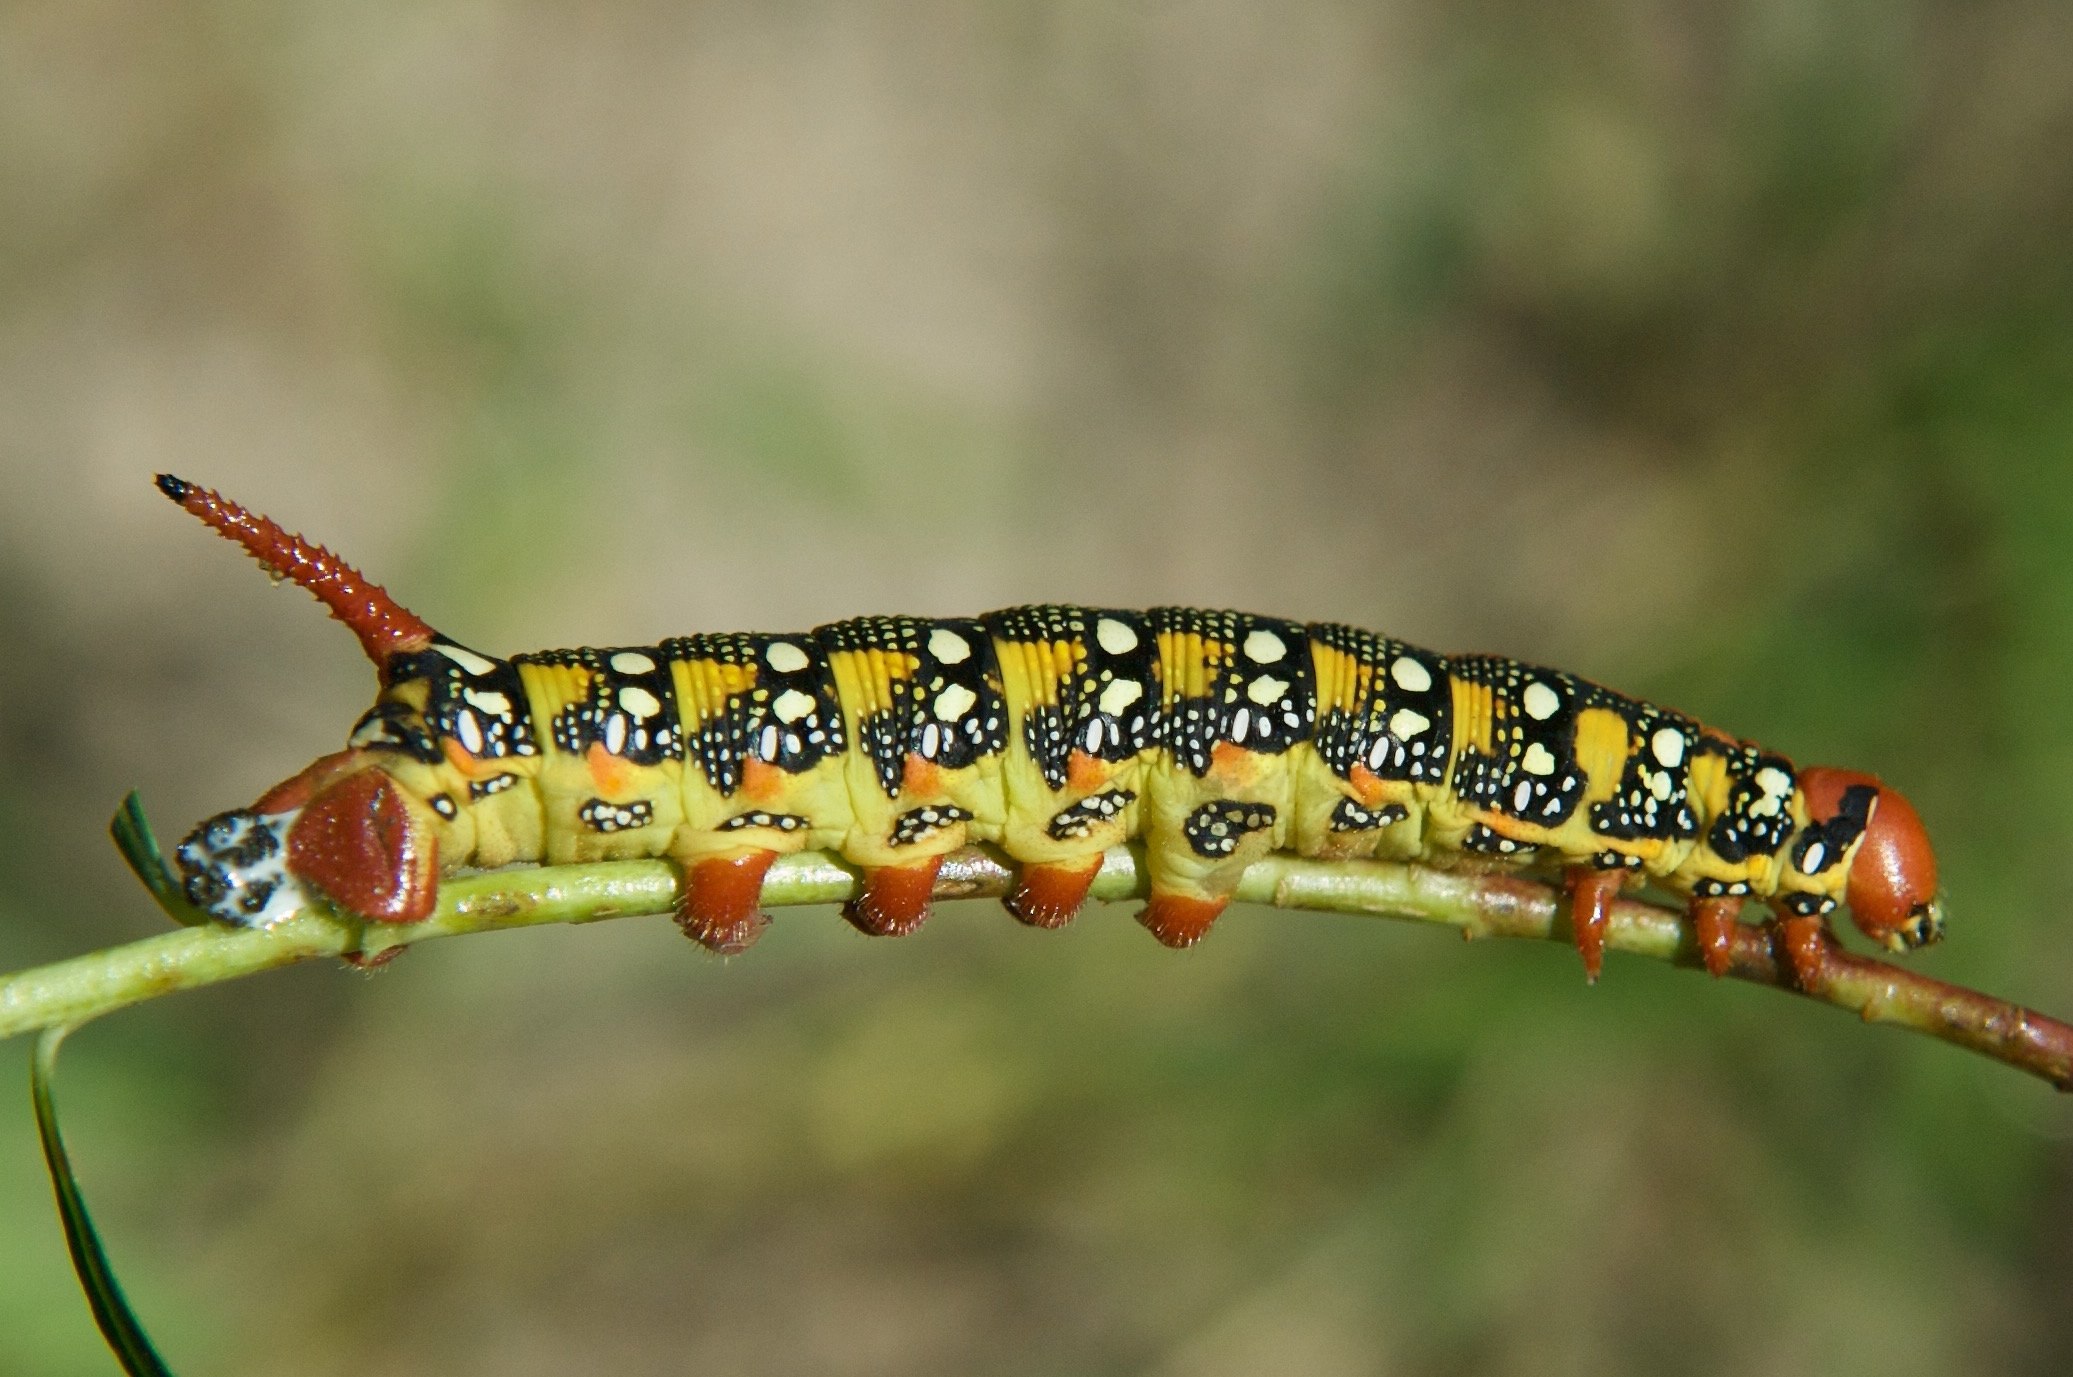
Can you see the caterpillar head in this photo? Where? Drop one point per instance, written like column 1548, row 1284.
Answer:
column 344, row 825
column 1892, row 889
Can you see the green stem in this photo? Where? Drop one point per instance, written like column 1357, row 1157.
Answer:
column 85, row 987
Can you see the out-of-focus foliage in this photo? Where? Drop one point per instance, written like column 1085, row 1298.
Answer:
column 1721, row 352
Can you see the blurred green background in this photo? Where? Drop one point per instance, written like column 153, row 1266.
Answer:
column 1723, row 353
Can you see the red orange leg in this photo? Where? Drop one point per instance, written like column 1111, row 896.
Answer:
column 1802, row 943
column 719, row 906
column 1047, row 896
column 895, row 899
column 1179, row 920
column 1713, row 924
column 1591, row 892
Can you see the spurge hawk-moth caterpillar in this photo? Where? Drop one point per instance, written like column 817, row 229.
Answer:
column 1053, row 733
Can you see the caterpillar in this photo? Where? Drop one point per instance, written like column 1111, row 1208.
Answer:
column 1053, row 733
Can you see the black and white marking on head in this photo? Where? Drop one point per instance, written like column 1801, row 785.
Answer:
column 234, row 868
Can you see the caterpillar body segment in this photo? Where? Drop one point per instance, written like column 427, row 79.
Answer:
column 1054, row 733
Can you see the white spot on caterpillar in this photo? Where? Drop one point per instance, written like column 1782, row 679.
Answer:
column 1410, row 676
column 1522, row 796
column 949, row 647
column 785, row 658
column 1405, row 724
column 1241, row 722
column 632, row 662
column 465, row 658
column 1115, row 637
column 954, row 702
column 1812, row 861
column 931, row 741
column 1668, row 745
column 615, row 734
column 470, row 731
column 1540, row 701
column 766, row 742
column 495, row 704
column 1538, row 760
column 1660, row 786
column 639, row 701
column 791, row 705
column 1266, row 689
column 1120, row 695
column 1776, row 785
column 1263, row 647
column 1091, row 738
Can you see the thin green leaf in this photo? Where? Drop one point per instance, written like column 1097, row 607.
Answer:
column 112, row 1312
column 139, row 846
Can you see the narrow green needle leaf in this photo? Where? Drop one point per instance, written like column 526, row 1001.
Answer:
column 112, row 1313
column 139, row 846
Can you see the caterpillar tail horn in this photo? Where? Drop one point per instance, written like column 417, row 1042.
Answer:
column 385, row 627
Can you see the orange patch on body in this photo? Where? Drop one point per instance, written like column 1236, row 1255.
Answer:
column 1230, row 763
column 761, row 780
column 458, row 757
column 1367, row 785
column 1084, row 773
column 609, row 772
column 921, row 777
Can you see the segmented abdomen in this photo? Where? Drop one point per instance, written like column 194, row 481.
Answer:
column 1059, row 731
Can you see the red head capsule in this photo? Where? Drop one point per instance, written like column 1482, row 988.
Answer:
column 1892, row 884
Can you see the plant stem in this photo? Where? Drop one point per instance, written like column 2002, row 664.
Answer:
column 70, row 992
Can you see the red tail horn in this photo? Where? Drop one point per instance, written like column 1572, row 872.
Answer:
column 383, row 625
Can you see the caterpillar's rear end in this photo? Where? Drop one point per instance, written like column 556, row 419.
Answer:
column 1055, row 733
